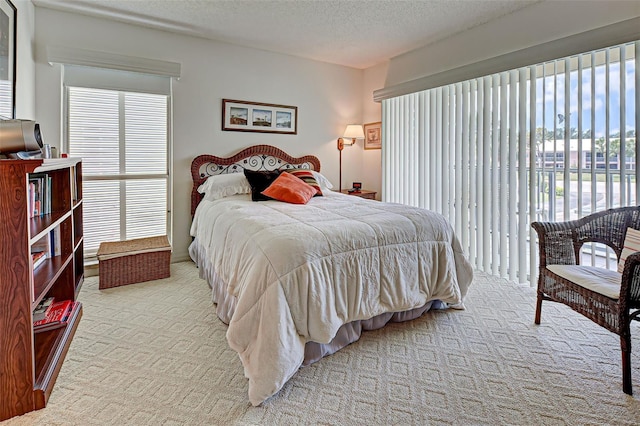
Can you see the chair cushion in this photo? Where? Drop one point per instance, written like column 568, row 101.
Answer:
column 631, row 245
column 600, row 280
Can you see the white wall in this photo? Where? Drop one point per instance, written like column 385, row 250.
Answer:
column 531, row 26
column 374, row 78
column 25, row 63
column 328, row 96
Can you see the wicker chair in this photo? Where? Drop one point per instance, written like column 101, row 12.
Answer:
column 560, row 244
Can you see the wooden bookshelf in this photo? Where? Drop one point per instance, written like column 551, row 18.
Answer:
column 30, row 361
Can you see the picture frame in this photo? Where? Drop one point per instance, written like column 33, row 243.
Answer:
column 246, row 116
column 373, row 135
column 8, row 35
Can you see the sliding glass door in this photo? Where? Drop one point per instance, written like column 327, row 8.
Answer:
column 551, row 142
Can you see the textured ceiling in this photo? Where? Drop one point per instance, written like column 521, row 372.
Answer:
column 355, row 33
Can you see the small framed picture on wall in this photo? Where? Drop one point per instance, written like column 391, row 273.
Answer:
column 373, row 135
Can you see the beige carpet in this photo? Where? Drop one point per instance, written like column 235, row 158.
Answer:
column 154, row 353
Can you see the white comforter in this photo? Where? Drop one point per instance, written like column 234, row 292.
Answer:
column 299, row 272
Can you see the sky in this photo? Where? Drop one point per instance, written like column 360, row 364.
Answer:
column 600, row 100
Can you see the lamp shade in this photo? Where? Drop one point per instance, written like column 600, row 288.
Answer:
column 354, row 131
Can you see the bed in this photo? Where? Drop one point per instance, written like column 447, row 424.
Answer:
column 297, row 282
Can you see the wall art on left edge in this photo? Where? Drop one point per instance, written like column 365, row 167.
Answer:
column 244, row 116
column 7, row 59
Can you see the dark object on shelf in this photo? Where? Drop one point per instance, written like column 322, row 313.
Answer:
column 610, row 306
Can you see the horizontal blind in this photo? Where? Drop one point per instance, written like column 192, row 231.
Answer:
column 6, row 98
column 93, row 130
column 122, row 139
column 551, row 142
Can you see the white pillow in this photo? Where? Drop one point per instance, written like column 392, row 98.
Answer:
column 220, row 186
column 631, row 245
column 322, row 180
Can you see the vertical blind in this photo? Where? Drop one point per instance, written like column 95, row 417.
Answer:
column 122, row 138
column 553, row 141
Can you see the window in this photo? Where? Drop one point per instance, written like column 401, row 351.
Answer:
column 495, row 153
column 123, row 140
column 6, row 98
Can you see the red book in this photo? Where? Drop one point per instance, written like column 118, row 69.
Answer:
column 58, row 312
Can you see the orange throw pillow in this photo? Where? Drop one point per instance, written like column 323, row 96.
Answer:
column 290, row 189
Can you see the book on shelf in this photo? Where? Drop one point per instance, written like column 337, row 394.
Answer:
column 74, row 189
column 38, row 257
column 57, row 316
column 50, row 244
column 35, row 194
column 39, row 194
column 32, row 199
column 46, row 195
column 55, row 242
column 43, row 308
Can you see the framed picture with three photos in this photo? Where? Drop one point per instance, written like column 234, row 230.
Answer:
column 373, row 135
column 246, row 116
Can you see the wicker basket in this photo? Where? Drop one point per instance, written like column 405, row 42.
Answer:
column 133, row 261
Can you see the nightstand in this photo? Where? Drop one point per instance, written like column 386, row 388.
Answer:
column 363, row 193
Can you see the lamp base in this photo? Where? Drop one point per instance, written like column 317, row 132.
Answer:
column 340, row 147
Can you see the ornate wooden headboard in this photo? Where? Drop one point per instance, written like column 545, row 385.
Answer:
column 257, row 157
